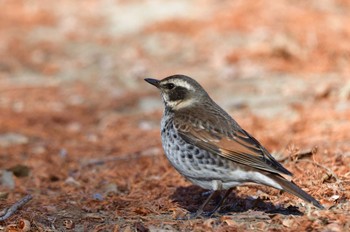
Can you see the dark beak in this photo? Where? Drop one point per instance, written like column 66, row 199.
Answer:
column 152, row 81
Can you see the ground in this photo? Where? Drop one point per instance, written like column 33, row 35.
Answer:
column 79, row 128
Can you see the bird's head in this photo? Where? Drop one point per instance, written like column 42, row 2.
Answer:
column 179, row 91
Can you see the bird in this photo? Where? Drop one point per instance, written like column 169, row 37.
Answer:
column 210, row 149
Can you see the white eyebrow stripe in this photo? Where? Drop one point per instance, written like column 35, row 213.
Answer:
column 183, row 84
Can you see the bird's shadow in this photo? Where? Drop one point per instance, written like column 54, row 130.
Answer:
column 191, row 198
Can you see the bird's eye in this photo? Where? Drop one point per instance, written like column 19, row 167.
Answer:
column 170, row 86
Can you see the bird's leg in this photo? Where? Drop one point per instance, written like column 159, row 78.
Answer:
column 221, row 202
column 217, row 186
column 207, row 193
column 201, row 208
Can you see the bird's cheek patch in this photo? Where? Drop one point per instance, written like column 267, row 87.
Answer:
column 179, row 93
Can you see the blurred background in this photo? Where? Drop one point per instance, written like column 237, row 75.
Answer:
column 72, row 93
column 281, row 51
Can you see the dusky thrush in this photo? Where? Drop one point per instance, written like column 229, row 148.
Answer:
column 208, row 147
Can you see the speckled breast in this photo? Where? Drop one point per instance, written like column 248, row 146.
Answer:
column 192, row 162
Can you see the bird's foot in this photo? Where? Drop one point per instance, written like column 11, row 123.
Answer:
column 198, row 215
column 192, row 216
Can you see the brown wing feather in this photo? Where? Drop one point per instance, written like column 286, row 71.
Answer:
column 229, row 141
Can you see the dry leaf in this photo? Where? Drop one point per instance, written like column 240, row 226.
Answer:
column 69, row 224
column 209, row 222
column 334, row 227
column 24, row 225
column 12, row 228
column 116, row 228
column 288, row 222
column 230, row 222
column 177, row 213
column 128, row 229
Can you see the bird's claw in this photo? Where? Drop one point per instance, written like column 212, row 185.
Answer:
column 198, row 215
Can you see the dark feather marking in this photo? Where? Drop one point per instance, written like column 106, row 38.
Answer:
column 231, row 142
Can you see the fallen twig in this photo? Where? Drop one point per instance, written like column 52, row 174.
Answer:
column 149, row 152
column 10, row 211
column 104, row 160
column 301, row 155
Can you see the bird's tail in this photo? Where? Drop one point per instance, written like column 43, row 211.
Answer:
column 295, row 190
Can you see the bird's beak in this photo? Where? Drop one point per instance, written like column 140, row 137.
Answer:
column 152, row 81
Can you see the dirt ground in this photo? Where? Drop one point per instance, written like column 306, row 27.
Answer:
column 79, row 128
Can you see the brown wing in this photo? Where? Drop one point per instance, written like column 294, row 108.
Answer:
column 227, row 140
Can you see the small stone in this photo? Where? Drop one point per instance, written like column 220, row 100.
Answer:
column 111, row 189
column 334, row 198
column 344, row 92
column 92, row 138
column 20, row 170
column 4, row 195
column 11, row 139
column 72, row 182
column 145, row 125
column 38, row 150
column 7, row 179
column 74, row 127
column 97, row 196
column 63, row 153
